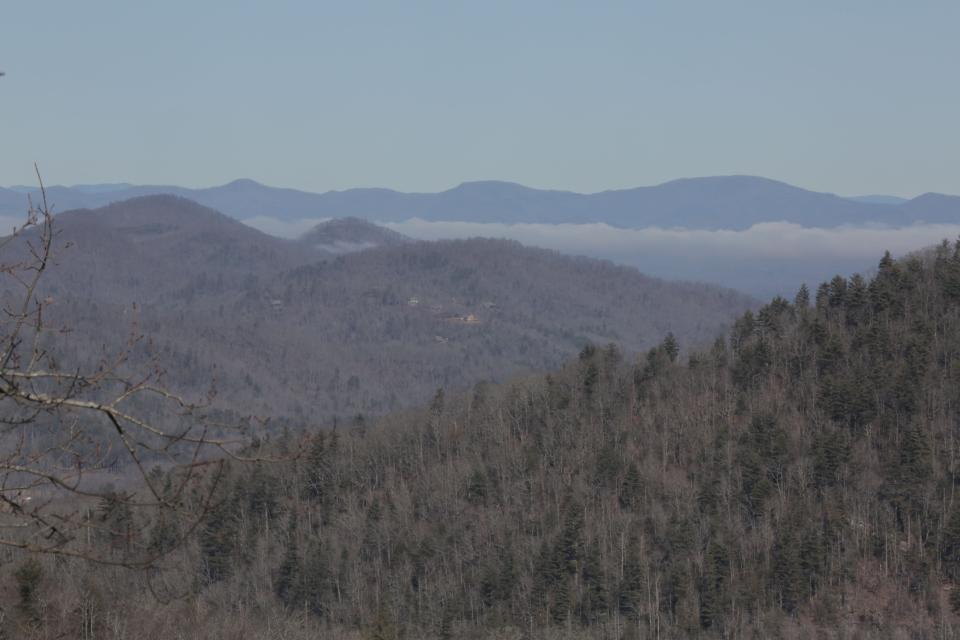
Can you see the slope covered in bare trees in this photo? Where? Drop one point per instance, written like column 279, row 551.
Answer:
column 796, row 479
column 280, row 329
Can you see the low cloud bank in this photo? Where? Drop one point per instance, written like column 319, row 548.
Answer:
column 767, row 259
column 771, row 258
column 767, row 239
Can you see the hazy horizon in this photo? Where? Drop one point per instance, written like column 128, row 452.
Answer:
column 104, row 186
column 421, row 96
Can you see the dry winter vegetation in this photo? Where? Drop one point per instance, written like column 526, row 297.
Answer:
column 66, row 430
column 795, row 479
column 283, row 330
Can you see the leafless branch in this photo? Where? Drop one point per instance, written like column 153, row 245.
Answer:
column 62, row 429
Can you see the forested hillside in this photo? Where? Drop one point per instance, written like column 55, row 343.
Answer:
column 797, row 479
column 281, row 329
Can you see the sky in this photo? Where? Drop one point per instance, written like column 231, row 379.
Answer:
column 851, row 97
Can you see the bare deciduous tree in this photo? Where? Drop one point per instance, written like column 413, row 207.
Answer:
column 68, row 434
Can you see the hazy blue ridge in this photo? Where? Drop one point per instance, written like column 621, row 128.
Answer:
column 723, row 202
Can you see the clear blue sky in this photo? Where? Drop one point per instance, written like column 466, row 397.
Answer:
column 855, row 96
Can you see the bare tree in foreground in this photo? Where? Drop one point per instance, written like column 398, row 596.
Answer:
column 62, row 432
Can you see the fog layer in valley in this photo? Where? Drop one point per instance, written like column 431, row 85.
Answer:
column 762, row 236
column 769, row 258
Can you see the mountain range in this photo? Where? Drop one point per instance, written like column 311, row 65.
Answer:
column 722, row 202
column 282, row 328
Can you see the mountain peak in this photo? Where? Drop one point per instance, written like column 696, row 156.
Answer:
column 490, row 186
column 243, row 183
column 346, row 235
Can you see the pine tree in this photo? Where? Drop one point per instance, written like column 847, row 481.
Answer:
column 570, row 542
column 906, row 477
column 830, row 452
column 671, row 347
column 713, row 585
column 811, row 560
column 316, row 579
column 630, row 592
column 288, row 583
column 676, row 585
column 316, row 471
column 508, row 575
column 631, row 489
column 837, row 296
column 489, row 584
column 164, row 536
column 595, row 602
column 261, row 492
column 802, row 299
column 607, row 466
column 116, row 520
column 560, row 601
column 28, row 576
column 591, row 376
column 785, row 576
column 476, row 490
column 218, row 541
column 370, row 547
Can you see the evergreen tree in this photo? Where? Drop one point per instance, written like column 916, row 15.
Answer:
column 676, row 585
column 950, row 545
column 812, row 560
column 316, row 579
column 608, row 463
column 591, row 375
column 595, row 602
column 830, row 452
column 164, row 536
column 785, row 576
column 116, row 520
column 28, row 577
column 802, row 299
column 288, row 583
column 570, row 542
column 671, row 347
column 631, row 489
column 630, row 592
column 317, row 470
column 218, row 541
column 476, row 490
column 713, row 585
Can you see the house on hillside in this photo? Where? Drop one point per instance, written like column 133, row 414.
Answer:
column 463, row 319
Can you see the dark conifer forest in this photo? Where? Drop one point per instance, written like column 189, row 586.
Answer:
column 796, row 478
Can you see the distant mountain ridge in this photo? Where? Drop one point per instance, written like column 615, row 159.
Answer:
column 285, row 330
column 878, row 199
column 721, row 202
